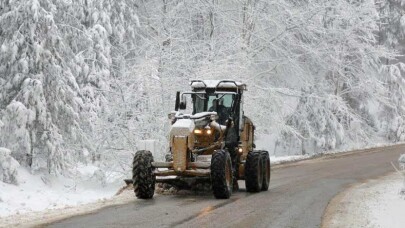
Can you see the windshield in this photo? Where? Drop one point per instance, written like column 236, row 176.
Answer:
column 220, row 103
column 212, row 102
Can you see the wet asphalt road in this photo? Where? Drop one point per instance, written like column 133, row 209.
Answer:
column 298, row 195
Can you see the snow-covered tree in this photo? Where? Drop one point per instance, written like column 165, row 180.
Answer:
column 391, row 34
column 39, row 95
column 8, row 167
column 85, row 80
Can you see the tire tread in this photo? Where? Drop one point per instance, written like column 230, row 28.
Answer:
column 142, row 175
column 219, row 160
column 253, row 184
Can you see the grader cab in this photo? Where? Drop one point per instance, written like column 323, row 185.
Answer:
column 215, row 142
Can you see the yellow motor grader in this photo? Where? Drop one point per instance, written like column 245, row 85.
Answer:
column 214, row 142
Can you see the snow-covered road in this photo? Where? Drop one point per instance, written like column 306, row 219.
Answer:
column 36, row 198
column 298, row 195
column 313, row 181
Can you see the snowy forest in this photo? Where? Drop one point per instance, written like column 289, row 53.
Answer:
column 86, row 80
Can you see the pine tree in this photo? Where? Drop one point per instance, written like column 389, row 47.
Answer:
column 40, row 93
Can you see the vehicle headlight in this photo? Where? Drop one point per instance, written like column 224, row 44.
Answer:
column 201, row 131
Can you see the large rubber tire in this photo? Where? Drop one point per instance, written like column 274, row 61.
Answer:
column 142, row 175
column 221, row 174
column 266, row 170
column 254, row 172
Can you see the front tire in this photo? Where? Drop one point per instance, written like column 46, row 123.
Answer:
column 142, row 175
column 254, row 172
column 221, row 174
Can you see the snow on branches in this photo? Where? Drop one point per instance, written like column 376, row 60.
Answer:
column 8, row 167
column 84, row 81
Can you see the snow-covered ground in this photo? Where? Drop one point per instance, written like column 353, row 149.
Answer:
column 37, row 218
column 41, row 192
column 376, row 203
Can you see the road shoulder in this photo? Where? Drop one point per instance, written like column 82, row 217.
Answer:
column 374, row 203
column 39, row 218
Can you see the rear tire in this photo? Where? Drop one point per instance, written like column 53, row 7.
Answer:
column 266, row 170
column 254, row 172
column 142, row 175
column 221, row 174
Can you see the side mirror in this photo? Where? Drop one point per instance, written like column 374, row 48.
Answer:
column 183, row 104
column 176, row 107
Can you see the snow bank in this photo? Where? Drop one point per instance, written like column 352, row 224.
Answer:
column 39, row 218
column 41, row 192
column 372, row 204
column 386, row 206
column 283, row 159
column 8, row 167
